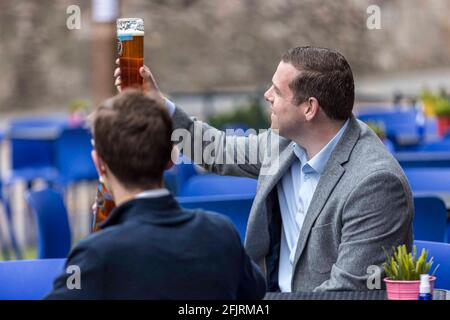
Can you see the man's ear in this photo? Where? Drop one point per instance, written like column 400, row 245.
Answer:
column 169, row 165
column 98, row 162
column 311, row 108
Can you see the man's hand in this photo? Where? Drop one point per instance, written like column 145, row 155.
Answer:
column 149, row 86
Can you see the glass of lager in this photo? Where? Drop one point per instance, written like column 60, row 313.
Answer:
column 104, row 205
column 130, row 36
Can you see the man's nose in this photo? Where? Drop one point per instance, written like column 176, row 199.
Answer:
column 267, row 95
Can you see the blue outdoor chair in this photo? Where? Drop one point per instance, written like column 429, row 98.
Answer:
column 429, row 179
column 430, row 219
column 28, row 279
column 395, row 122
column 73, row 156
column 441, row 254
column 448, row 231
column 211, row 184
column 405, row 128
column 235, row 207
column 231, row 196
column 176, row 177
column 31, row 142
column 12, row 235
column 73, row 159
column 10, row 227
column 32, row 151
column 424, row 159
column 54, row 236
column 4, row 248
column 442, row 145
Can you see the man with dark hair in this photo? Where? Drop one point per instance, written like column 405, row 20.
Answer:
column 150, row 248
column 326, row 75
column 336, row 196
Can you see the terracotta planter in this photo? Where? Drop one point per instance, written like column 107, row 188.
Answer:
column 405, row 290
column 443, row 125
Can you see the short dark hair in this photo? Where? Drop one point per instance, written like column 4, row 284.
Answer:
column 324, row 75
column 132, row 134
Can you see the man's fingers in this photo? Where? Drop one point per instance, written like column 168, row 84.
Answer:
column 116, row 75
column 145, row 72
column 148, row 77
column 117, row 61
column 118, row 83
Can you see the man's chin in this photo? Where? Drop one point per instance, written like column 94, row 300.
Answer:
column 275, row 129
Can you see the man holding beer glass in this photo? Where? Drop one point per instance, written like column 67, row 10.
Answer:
column 335, row 197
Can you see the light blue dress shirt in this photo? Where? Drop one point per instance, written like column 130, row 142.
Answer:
column 295, row 191
column 153, row 193
column 170, row 107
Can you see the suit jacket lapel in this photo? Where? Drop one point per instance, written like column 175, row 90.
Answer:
column 286, row 158
column 257, row 240
column 326, row 184
column 330, row 177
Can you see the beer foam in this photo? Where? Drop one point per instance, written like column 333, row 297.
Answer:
column 133, row 33
column 130, row 27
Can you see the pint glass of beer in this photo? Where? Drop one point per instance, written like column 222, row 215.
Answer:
column 104, row 204
column 130, row 36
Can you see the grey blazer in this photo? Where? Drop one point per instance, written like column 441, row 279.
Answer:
column 362, row 203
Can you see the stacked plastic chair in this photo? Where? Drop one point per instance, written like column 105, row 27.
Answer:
column 31, row 143
column 73, row 158
column 54, row 235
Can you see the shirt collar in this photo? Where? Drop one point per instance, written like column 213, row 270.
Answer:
column 160, row 210
column 153, row 193
column 318, row 162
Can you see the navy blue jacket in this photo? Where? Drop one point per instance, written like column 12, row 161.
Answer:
column 152, row 249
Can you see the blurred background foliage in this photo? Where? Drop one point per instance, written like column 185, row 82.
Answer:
column 201, row 45
column 252, row 116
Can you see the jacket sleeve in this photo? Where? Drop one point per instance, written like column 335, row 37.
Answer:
column 82, row 277
column 218, row 152
column 378, row 213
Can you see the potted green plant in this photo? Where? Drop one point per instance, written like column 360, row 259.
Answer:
column 403, row 272
column 251, row 116
column 77, row 112
column 429, row 100
column 443, row 115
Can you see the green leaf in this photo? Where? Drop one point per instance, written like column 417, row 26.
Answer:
column 404, row 265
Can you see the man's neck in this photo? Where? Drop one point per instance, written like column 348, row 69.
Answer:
column 122, row 194
column 318, row 138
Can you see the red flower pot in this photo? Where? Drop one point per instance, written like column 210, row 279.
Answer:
column 443, row 125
